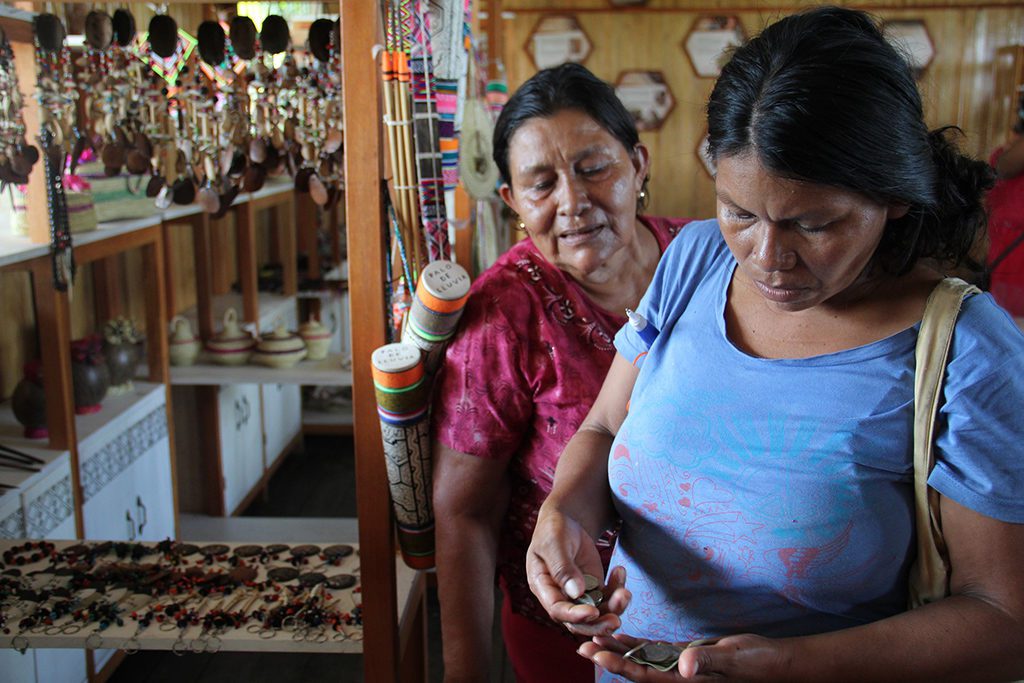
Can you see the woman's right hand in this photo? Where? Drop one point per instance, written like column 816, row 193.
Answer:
column 560, row 553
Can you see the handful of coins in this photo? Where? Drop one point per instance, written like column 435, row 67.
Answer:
column 656, row 655
column 592, row 594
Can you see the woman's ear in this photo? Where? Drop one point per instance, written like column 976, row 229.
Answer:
column 641, row 163
column 505, row 192
column 897, row 211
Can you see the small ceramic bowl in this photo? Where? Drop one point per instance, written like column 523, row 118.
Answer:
column 280, row 349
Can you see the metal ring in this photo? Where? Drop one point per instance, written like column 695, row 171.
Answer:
column 288, row 622
column 299, row 634
column 53, row 630
column 179, row 648
column 320, row 637
column 195, row 648
column 213, row 645
column 131, row 646
column 70, row 629
column 339, row 636
column 19, row 643
column 94, row 641
column 170, row 626
column 264, row 632
column 254, row 628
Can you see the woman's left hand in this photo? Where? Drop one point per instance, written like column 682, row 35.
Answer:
column 734, row 658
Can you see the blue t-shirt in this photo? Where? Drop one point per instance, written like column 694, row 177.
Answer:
column 774, row 496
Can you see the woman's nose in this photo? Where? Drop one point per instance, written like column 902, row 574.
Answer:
column 772, row 250
column 573, row 199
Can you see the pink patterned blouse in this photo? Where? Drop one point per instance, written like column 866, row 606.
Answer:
column 518, row 379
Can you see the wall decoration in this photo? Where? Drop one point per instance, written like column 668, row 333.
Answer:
column 647, row 97
column 167, row 68
column 911, row 37
column 709, row 39
column 556, row 40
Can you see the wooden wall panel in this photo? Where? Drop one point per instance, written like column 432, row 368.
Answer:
column 973, row 54
column 18, row 329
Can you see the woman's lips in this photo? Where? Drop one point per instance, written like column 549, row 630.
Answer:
column 779, row 294
column 579, row 235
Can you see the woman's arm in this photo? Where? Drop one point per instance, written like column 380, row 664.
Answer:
column 470, row 499
column 578, row 510
column 977, row 634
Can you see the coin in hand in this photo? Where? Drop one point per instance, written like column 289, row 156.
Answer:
column 592, row 594
column 657, row 655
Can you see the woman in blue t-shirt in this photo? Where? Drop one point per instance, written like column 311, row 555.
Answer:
column 758, row 453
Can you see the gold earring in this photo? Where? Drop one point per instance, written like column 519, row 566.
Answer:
column 640, row 197
column 520, row 225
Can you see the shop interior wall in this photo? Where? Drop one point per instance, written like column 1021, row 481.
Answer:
column 973, row 58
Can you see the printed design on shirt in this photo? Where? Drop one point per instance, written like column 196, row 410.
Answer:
column 562, row 309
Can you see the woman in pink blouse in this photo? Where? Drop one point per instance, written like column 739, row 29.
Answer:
column 533, row 348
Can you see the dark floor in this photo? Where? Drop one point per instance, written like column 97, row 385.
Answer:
column 318, row 481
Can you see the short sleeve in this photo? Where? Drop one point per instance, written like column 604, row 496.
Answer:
column 980, row 446
column 682, row 268
column 482, row 402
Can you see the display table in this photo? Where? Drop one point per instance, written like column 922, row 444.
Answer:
column 184, row 597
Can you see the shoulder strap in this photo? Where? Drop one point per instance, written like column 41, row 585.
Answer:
column 929, row 575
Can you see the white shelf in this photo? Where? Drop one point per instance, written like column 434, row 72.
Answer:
column 11, row 435
column 117, row 414
column 308, row 372
column 17, row 248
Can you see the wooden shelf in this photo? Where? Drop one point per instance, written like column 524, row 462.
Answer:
column 308, row 372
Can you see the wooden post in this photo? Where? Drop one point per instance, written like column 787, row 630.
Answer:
column 360, row 30
column 201, row 254
column 53, row 325
column 108, row 283
column 306, row 221
column 286, row 229
column 245, row 225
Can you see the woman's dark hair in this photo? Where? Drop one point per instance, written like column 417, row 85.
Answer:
column 569, row 86
column 822, row 96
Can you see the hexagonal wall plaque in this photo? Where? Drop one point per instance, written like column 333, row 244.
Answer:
column 557, row 39
column 912, row 38
column 647, row 97
column 708, row 39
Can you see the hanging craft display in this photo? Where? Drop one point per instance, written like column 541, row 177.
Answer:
column 17, row 156
column 57, row 98
column 428, row 141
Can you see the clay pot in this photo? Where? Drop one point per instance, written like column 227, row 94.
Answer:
column 29, row 402
column 317, row 338
column 121, row 362
column 89, row 374
column 183, row 346
column 233, row 345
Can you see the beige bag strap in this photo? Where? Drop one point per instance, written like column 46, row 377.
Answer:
column 929, row 575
